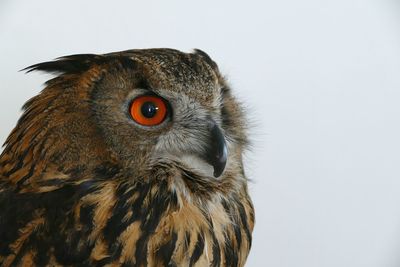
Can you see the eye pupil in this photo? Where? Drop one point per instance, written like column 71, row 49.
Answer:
column 149, row 109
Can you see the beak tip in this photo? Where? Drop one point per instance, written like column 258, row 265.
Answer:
column 220, row 164
column 218, row 172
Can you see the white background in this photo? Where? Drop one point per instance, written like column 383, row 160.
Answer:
column 320, row 80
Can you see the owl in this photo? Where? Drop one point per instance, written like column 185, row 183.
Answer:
column 131, row 158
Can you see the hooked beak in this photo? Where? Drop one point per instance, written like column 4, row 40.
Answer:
column 216, row 152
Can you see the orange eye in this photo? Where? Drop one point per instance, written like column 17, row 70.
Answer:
column 148, row 110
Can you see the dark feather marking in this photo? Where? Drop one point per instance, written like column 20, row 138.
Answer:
column 42, row 251
column 216, row 251
column 127, row 264
column 86, row 188
column 52, row 182
column 27, row 112
column 235, row 223
column 73, row 249
column 116, row 251
column 226, row 117
column 102, row 262
column 41, row 258
column 71, row 246
column 116, row 225
column 251, row 211
column 5, row 162
column 18, row 165
column 165, row 251
column 152, row 214
column 127, row 62
column 143, row 84
column 173, row 200
column 197, row 184
column 86, row 216
column 226, row 206
column 198, row 249
column 20, row 162
column 157, row 207
column 243, row 218
column 225, row 91
column 21, row 181
column 26, row 204
column 10, row 145
column 27, row 176
column 11, row 221
column 238, row 234
column 231, row 255
column 76, row 171
column 106, row 171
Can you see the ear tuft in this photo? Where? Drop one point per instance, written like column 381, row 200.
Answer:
column 207, row 58
column 72, row 64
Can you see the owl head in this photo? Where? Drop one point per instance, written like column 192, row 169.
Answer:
column 145, row 111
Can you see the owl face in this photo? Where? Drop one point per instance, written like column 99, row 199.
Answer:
column 166, row 108
column 144, row 110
